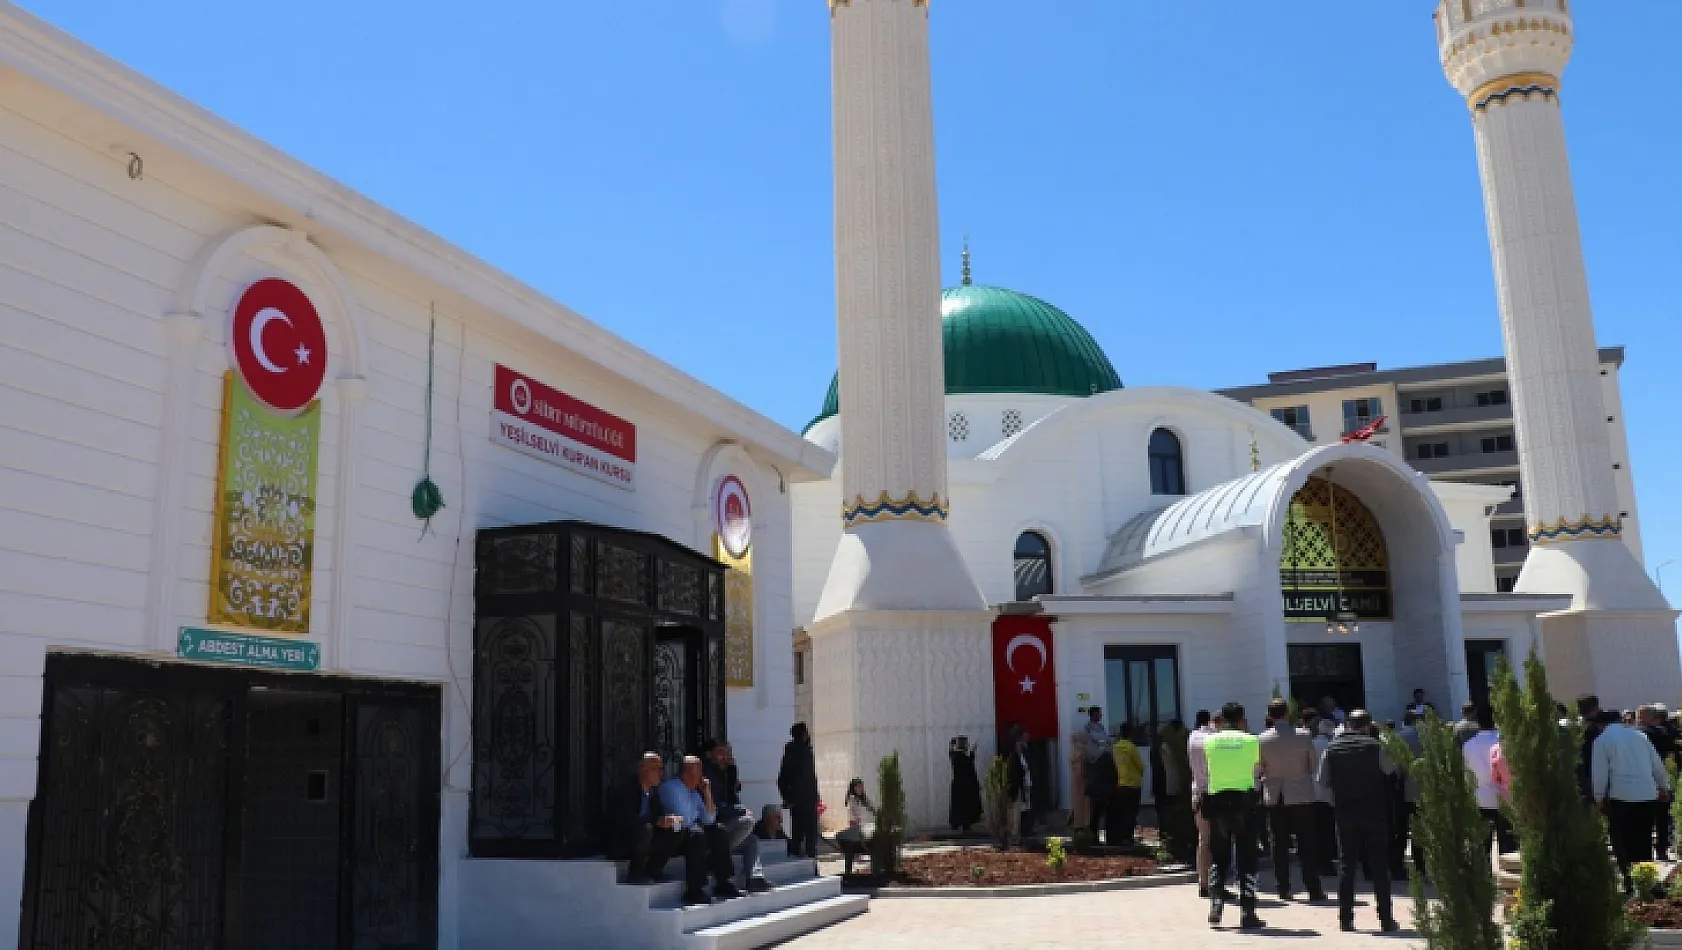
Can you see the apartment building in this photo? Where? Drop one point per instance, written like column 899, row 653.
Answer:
column 1451, row 421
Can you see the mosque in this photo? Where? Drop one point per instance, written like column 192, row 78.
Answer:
column 1135, row 544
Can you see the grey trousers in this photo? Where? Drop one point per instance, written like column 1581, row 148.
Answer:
column 745, row 843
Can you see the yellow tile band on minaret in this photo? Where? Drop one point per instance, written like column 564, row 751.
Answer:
column 1583, row 528
column 1543, row 82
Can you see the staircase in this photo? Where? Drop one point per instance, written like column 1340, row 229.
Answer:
column 567, row 904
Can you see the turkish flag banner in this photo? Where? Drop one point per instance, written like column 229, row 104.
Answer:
column 1024, row 676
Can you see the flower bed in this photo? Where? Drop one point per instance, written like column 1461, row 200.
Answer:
column 990, row 867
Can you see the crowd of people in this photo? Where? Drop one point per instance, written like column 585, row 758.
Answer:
column 1325, row 789
column 698, row 815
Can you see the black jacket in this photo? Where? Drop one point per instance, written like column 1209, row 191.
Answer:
column 1101, row 777
column 627, row 815
column 1015, row 773
column 797, row 780
column 723, row 780
column 1356, row 770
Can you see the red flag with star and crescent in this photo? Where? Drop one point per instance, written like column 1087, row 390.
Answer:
column 1024, row 676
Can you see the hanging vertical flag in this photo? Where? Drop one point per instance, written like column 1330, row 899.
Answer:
column 1024, row 676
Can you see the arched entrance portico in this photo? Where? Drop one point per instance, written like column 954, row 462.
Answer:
column 1370, row 605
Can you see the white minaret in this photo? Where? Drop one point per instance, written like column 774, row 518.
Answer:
column 1619, row 637
column 899, row 612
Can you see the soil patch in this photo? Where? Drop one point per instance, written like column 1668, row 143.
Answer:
column 989, row 867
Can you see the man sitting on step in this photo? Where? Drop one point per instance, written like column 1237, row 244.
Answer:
column 688, row 802
column 643, row 833
column 719, row 766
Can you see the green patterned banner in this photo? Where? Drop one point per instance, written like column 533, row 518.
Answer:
column 264, row 534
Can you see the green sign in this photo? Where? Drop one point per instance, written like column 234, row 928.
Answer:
column 216, row 646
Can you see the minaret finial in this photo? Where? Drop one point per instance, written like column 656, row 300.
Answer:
column 966, row 261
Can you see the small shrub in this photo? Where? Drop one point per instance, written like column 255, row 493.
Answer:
column 977, row 871
column 995, row 791
column 888, row 841
column 1055, row 856
column 1528, row 926
column 1646, row 878
column 1451, row 832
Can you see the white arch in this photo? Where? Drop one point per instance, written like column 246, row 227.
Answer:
column 184, row 328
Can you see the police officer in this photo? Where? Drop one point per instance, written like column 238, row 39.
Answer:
column 1229, row 806
column 1357, row 770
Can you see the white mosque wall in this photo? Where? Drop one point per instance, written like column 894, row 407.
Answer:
column 112, row 389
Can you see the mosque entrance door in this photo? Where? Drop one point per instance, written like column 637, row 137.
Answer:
column 1319, row 670
column 591, row 646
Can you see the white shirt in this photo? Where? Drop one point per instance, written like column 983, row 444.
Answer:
column 1199, row 761
column 1626, row 767
column 1477, row 751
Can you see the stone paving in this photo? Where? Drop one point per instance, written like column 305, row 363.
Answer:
column 1156, row 918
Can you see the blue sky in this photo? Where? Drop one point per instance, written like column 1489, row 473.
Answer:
column 1215, row 190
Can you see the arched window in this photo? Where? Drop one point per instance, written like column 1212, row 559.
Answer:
column 1168, row 470
column 1033, row 565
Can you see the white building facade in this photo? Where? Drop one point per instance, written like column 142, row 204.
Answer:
column 414, row 740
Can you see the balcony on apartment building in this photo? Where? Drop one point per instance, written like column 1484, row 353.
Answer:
column 1456, row 417
column 1465, row 462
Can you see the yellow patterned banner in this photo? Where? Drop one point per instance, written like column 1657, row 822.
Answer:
column 738, row 616
column 263, row 544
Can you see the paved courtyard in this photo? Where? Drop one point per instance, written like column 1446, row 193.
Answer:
column 1147, row 919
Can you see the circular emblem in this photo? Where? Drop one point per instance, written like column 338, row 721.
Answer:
column 520, row 394
column 733, row 516
column 279, row 345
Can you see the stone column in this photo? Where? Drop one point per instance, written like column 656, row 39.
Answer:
column 1506, row 58
column 900, row 639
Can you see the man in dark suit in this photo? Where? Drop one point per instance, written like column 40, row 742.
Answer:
column 643, row 834
column 797, row 781
column 1357, row 770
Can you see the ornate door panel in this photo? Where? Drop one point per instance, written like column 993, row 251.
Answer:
column 674, row 700
column 625, row 700
column 131, row 820
column 289, row 866
column 394, row 825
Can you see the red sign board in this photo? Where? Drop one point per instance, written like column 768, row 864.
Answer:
column 279, row 345
column 545, row 423
column 1024, row 676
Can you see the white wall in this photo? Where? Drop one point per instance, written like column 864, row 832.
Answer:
column 93, row 261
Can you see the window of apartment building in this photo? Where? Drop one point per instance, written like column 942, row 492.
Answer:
column 1426, row 404
column 1431, row 450
column 1297, row 418
column 1497, row 443
column 1507, row 538
column 1504, row 583
column 1495, row 397
column 1360, row 412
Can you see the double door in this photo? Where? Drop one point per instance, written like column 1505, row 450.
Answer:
column 184, row 807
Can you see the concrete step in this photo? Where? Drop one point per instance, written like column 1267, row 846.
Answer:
column 767, row 929
column 702, row 916
column 779, row 871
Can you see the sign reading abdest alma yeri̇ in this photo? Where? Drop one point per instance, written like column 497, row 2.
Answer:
column 263, row 540
column 217, row 646
column 545, row 423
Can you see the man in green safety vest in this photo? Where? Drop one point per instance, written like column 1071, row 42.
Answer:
column 1229, row 805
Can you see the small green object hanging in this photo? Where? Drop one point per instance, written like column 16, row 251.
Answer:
column 427, row 500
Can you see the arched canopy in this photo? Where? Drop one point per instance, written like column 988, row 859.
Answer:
column 1258, row 503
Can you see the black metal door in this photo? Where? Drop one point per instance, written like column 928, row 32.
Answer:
column 130, row 824
column 289, row 869
column 394, row 824
column 1319, row 670
column 675, row 688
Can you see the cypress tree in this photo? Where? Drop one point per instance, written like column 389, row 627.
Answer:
column 889, row 838
column 1451, row 831
column 999, row 811
column 1568, row 887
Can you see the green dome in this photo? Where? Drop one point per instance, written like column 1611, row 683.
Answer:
column 1000, row 341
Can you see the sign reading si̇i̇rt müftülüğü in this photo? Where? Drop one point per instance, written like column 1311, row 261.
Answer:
column 545, row 423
